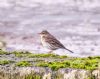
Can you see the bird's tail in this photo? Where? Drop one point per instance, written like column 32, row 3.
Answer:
column 69, row 50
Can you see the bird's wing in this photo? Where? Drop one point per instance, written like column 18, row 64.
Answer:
column 51, row 39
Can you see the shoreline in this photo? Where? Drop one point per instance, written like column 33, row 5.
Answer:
column 47, row 66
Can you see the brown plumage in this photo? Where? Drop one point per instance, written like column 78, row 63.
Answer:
column 50, row 42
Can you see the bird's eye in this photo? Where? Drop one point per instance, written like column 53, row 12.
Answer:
column 43, row 33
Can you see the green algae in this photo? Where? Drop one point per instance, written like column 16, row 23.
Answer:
column 4, row 62
column 23, row 64
column 31, row 55
column 88, row 63
column 77, row 63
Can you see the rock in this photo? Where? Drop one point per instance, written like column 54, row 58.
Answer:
column 47, row 76
column 96, row 74
column 43, row 73
column 76, row 74
column 70, row 73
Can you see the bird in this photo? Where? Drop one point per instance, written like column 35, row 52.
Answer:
column 50, row 42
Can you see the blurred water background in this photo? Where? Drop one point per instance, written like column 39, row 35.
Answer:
column 76, row 23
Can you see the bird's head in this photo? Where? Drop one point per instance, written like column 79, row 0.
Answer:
column 44, row 33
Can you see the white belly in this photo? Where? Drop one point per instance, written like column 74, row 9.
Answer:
column 45, row 44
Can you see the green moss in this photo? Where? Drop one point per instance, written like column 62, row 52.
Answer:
column 4, row 62
column 79, row 63
column 3, row 52
column 21, row 54
column 30, row 55
column 63, row 56
column 89, row 63
column 23, row 63
column 41, row 55
column 90, row 78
